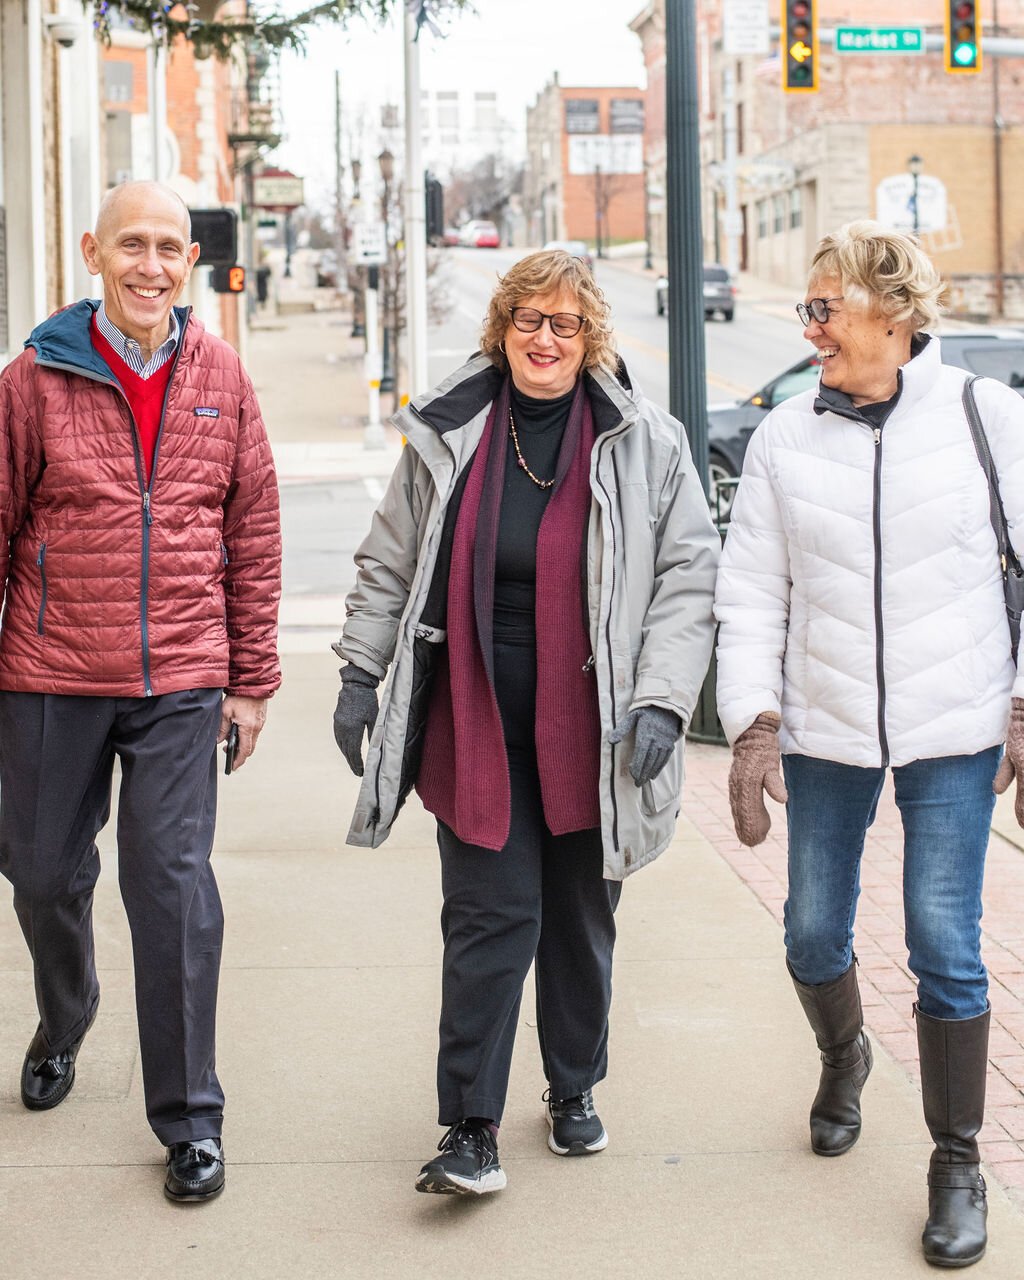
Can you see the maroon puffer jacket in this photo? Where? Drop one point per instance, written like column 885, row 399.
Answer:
column 110, row 589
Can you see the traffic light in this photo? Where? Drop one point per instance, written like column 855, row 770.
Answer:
column 228, row 279
column 963, row 36
column 434, row 195
column 216, row 233
column 799, row 46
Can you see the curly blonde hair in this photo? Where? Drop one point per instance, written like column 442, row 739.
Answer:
column 540, row 274
column 884, row 270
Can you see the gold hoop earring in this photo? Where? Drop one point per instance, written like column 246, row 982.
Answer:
column 501, row 346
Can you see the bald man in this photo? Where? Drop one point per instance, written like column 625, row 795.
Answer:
column 140, row 558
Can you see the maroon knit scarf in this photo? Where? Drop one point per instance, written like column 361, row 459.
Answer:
column 464, row 778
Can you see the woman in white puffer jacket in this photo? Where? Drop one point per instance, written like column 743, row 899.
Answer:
column 864, row 627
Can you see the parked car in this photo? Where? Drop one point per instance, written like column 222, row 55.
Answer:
column 574, row 247
column 719, row 292
column 450, row 236
column 480, row 234
column 996, row 353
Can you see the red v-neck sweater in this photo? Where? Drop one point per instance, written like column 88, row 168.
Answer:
column 145, row 396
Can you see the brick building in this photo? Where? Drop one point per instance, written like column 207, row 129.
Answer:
column 584, row 177
column 195, row 110
column 806, row 163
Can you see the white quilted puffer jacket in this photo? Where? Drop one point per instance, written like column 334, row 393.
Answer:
column 859, row 592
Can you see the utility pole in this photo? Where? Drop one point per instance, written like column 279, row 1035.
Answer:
column 339, row 194
column 415, row 214
column 732, row 208
column 998, row 125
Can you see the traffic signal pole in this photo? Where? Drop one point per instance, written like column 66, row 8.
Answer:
column 687, row 387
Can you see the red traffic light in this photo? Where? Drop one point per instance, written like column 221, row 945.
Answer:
column 965, row 10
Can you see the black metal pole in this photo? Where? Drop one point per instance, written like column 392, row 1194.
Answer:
column 687, row 395
column 687, row 387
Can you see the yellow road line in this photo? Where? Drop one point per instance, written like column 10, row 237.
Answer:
column 661, row 353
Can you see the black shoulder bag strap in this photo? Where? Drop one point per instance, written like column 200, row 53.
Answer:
column 1013, row 575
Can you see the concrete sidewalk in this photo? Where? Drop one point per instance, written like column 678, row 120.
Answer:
column 328, row 1026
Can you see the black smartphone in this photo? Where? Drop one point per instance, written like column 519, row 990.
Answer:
column 231, row 748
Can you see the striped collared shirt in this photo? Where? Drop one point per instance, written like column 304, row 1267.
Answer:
column 130, row 351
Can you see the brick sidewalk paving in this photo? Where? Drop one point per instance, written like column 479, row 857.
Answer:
column 887, row 986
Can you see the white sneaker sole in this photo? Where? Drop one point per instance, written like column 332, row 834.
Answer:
column 451, row 1184
column 577, row 1148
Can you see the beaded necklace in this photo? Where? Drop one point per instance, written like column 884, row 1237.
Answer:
column 541, row 484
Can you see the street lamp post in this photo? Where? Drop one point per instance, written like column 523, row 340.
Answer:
column 386, row 161
column 915, row 164
column 359, row 275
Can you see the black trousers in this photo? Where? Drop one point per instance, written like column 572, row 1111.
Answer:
column 543, row 899
column 56, row 765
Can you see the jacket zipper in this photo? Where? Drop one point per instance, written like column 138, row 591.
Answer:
column 883, row 741
column 147, row 510
column 608, row 634
column 41, row 562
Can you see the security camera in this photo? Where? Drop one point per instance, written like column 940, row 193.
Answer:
column 63, row 29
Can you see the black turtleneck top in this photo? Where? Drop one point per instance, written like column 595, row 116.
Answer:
column 539, row 425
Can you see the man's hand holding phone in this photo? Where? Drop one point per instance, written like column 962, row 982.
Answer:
column 241, row 720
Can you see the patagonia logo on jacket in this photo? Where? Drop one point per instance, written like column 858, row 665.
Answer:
column 204, row 412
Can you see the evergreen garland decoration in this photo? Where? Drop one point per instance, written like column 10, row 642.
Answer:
column 273, row 30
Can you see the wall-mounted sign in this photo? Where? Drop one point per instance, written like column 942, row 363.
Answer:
column 607, row 153
column 627, row 115
column 895, row 198
column 582, row 115
column 745, row 27
column 277, row 191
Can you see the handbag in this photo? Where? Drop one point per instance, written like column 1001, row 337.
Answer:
column 1013, row 574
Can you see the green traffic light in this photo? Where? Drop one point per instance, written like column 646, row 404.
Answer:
column 965, row 54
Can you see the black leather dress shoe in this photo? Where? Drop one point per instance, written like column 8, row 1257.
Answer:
column 47, row 1081
column 195, row 1170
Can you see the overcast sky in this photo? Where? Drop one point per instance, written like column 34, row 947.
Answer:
column 510, row 46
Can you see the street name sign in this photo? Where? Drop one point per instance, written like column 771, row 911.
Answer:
column 879, row 40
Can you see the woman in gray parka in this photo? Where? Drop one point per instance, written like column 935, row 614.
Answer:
column 538, row 579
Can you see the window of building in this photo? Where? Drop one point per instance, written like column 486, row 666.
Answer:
column 779, row 210
column 117, row 81
column 762, row 218
column 447, row 110
column 796, row 207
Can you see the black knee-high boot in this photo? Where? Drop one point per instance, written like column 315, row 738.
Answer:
column 954, row 1064
column 834, row 1012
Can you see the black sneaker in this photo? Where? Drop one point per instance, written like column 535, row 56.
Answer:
column 468, row 1163
column 576, row 1128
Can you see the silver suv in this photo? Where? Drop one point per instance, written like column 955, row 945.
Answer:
column 719, row 292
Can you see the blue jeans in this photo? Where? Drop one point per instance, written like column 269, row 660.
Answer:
column 946, row 806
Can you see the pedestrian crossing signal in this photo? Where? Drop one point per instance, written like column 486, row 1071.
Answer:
column 228, row 279
column 963, row 36
column 799, row 46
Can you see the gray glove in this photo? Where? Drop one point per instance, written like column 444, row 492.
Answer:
column 355, row 714
column 657, row 732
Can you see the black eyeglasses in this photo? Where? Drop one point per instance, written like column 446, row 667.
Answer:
column 563, row 324
column 816, row 309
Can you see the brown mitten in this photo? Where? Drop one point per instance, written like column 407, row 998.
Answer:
column 1012, row 765
column 756, row 768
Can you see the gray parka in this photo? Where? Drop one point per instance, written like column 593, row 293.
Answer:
column 652, row 555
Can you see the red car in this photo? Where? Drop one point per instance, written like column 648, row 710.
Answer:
column 480, row 234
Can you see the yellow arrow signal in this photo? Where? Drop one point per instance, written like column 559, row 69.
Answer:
column 800, row 51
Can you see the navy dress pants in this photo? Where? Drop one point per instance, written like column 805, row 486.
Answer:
column 56, row 767
column 543, row 900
